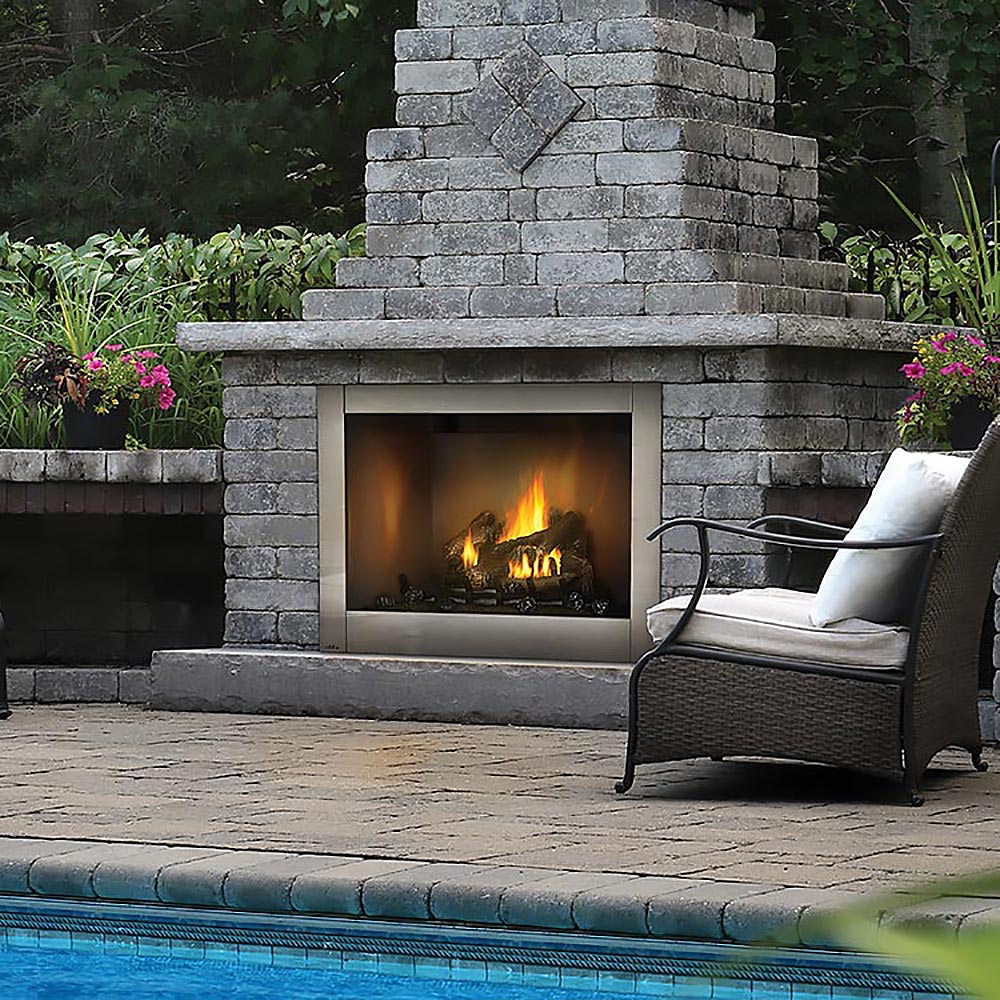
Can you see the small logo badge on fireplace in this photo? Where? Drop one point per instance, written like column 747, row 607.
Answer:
column 521, row 106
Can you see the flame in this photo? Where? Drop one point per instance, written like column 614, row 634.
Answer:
column 544, row 565
column 470, row 554
column 531, row 513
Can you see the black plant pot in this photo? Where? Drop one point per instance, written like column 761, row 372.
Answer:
column 969, row 422
column 88, row 430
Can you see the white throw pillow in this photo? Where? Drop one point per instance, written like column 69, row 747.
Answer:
column 909, row 500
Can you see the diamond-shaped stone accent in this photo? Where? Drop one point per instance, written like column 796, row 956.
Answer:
column 521, row 106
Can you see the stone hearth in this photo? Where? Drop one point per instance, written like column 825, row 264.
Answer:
column 577, row 192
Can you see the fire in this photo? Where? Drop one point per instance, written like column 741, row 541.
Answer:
column 531, row 513
column 530, row 516
column 470, row 554
column 544, row 565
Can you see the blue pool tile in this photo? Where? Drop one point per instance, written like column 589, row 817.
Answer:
column 359, row 961
column 813, row 991
column 851, row 993
column 255, row 954
column 218, row 951
column 153, row 946
column 546, row 976
column 19, row 937
column 395, row 965
column 693, row 986
column 55, row 939
column 120, row 944
column 578, row 979
column 324, row 958
column 425, row 967
column 188, row 949
column 503, row 972
column 290, row 958
column 730, row 989
column 655, row 986
column 766, row 990
column 616, row 982
column 84, row 942
column 469, row 970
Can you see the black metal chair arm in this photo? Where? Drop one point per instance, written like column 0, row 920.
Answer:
column 799, row 522
column 793, row 541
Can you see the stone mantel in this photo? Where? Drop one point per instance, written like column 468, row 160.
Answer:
column 642, row 332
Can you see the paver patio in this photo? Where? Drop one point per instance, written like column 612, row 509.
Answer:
column 527, row 798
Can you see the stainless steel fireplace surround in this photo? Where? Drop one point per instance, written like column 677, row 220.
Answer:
column 536, row 636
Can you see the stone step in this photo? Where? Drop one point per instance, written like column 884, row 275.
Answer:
column 721, row 298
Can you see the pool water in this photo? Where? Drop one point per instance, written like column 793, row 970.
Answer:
column 43, row 974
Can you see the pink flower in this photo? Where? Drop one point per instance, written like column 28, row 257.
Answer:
column 916, row 397
column 148, row 354
column 975, row 341
column 161, row 376
column 147, row 382
column 940, row 346
column 167, row 397
column 89, row 355
column 140, row 368
column 914, row 371
column 113, row 347
column 992, row 359
column 95, row 364
column 946, row 337
column 958, row 368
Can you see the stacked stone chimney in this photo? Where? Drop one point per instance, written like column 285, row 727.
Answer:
column 588, row 158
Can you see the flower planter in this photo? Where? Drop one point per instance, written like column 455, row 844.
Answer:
column 969, row 422
column 88, row 430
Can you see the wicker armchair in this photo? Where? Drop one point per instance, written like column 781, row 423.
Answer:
column 690, row 701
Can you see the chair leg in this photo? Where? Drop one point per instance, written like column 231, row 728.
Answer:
column 628, row 780
column 977, row 760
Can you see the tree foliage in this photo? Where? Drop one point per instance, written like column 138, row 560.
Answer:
column 175, row 115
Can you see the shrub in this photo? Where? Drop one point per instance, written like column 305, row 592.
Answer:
column 233, row 276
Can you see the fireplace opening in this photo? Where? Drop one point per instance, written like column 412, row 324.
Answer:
column 526, row 514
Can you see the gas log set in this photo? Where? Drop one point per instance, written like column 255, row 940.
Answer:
column 535, row 560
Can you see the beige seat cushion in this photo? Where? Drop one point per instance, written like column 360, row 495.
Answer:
column 773, row 622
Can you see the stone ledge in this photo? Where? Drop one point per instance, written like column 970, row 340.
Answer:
column 177, row 466
column 502, row 898
column 269, row 681
column 565, row 332
column 78, row 685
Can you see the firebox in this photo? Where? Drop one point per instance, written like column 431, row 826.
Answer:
column 504, row 521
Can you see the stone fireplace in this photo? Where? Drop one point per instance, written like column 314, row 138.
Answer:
column 592, row 296
column 495, row 521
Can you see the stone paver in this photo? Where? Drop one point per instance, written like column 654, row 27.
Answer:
column 476, row 824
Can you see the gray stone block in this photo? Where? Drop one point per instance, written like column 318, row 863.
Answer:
column 188, row 465
column 427, row 303
column 399, row 367
column 773, row 917
column 739, row 503
column 570, row 236
column 70, row 873
column 474, row 897
column 20, row 687
column 433, row 13
column 482, row 173
column 424, row 109
column 703, row 298
column 423, row 44
column 477, row 238
column 326, row 368
column 248, row 369
column 200, row 882
column 251, row 563
column 486, row 42
column 446, row 76
column 134, row 466
column 270, row 467
column 345, row 303
column 697, row 911
column 299, row 628
column 79, row 466
column 601, row 300
column 298, row 498
column 249, row 628
column 621, row 909
column 580, row 203
column 562, row 170
column 405, row 895
column 297, row 433
column 464, row 206
column 376, row 272
column 580, row 268
column 520, row 269
column 133, row 875
column 66, row 685
column 265, row 887
column 417, row 240
column 642, row 168
column 710, row 468
column 272, row 595
column 22, row 465
column 256, row 434
column 251, row 498
column 518, row 139
column 549, row 901
column 270, row 529
column 298, row 564
column 134, row 687
column 395, row 143
column 461, row 271
column 485, row 366
column 337, row 889
column 530, row 11
column 561, row 366
column 392, row 207
column 561, row 39
column 657, row 366
column 527, row 300
column 19, row 854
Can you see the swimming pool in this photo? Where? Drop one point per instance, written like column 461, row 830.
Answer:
column 50, row 950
